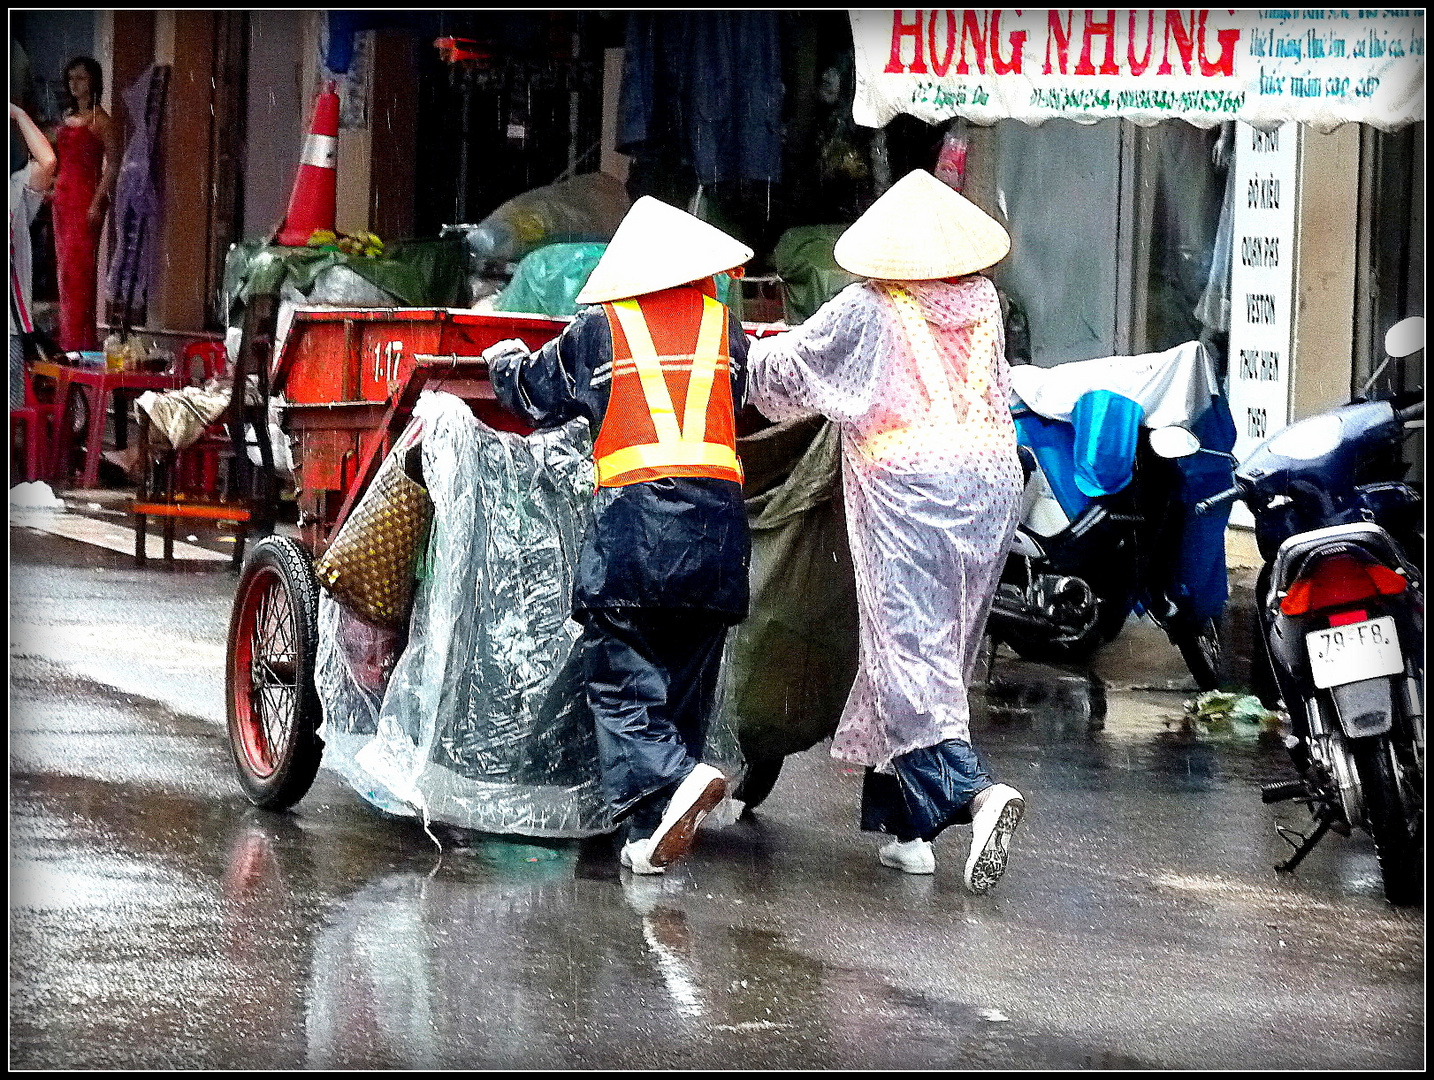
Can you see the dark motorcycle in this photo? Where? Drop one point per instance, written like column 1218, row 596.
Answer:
column 1341, row 610
column 1108, row 527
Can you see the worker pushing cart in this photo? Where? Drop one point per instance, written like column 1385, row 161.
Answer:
column 658, row 369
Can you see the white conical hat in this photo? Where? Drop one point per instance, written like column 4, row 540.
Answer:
column 658, row 247
column 919, row 230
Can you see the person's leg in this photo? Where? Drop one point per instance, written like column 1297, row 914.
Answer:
column 651, row 682
column 646, row 814
column 937, row 785
column 691, row 648
column 943, row 785
column 641, row 754
column 883, row 809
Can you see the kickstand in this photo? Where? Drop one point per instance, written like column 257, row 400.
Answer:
column 1304, row 845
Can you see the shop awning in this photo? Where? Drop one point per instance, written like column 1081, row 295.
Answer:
column 1318, row 67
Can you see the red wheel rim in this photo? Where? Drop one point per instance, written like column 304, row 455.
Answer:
column 265, row 669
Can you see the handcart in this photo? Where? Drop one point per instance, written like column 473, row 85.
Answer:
column 348, row 380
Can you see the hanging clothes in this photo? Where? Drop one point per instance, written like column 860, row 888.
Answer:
column 134, row 263
column 708, row 84
column 914, row 377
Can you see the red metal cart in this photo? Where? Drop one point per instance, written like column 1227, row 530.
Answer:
column 350, row 379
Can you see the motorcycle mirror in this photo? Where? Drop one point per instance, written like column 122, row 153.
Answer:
column 1173, row 442
column 1405, row 337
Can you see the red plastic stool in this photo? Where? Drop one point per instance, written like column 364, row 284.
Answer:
column 37, row 418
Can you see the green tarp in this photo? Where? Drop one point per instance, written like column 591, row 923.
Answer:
column 547, row 281
column 417, row 273
column 810, row 276
column 791, row 664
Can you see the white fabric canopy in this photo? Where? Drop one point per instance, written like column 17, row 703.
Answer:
column 1174, row 386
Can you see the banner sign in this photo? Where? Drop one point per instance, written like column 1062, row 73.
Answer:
column 1263, row 66
column 1262, row 282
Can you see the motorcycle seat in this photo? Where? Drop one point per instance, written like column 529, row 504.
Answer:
column 1292, row 555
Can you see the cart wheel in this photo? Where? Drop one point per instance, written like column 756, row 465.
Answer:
column 273, row 706
column 761, row 778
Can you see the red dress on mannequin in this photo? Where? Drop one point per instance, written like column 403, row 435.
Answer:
column 81, row 155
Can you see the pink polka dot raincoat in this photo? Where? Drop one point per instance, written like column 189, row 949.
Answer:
column 914, row 376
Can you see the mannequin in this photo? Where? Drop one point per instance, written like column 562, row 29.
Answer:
column 86, row 145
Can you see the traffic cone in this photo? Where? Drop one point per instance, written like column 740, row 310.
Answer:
column 313, row 204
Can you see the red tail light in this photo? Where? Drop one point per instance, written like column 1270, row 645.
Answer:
column 1339, row 580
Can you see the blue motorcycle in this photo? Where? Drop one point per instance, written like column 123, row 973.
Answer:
column 1108, row 525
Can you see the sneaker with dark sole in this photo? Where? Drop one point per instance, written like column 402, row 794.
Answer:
column 997, row 812
column 694, row 798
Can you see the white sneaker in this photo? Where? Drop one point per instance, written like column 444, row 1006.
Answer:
column 912, row 856
column 995, row 813
column 694, row 798
column 635, row 856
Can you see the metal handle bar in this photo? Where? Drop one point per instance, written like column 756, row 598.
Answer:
column 1204, row 506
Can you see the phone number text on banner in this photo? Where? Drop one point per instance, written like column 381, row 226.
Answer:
column 1314, row 66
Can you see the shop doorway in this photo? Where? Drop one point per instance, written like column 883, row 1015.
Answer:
column 525, row 114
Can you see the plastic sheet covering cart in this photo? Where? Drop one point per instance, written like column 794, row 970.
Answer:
column 347, row 380
column 482, row 722
column 468, row 711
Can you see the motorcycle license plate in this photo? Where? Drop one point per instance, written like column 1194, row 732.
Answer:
column 1362, row 650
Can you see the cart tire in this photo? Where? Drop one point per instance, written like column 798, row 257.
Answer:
column 757, row 785
column 273, row 706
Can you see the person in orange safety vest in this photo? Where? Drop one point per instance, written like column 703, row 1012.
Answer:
column 658, row 369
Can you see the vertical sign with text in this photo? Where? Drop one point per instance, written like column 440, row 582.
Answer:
column 1262, row 284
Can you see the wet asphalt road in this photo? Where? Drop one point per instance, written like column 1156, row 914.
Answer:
column 159, row 922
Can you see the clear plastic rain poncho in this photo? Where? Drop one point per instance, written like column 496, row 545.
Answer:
column 915, row 378
column 483, row 722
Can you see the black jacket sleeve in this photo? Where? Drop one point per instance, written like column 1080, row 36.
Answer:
column 553, row 385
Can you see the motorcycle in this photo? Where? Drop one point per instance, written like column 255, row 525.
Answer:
column 1107, row 525
column 1341, row 612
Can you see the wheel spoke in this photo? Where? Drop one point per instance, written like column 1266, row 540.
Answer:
column 273, row 674
column 277, row 718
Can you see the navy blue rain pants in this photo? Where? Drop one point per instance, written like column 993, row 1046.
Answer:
column 651, row 683
column 929, row 789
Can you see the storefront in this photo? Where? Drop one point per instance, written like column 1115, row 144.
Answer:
column 1120, row 147
column 1251, row 179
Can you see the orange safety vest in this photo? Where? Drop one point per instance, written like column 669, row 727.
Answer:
column 669, row 359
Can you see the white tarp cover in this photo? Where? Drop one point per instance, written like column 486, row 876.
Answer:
column 1266, row 66
column 1174, row 386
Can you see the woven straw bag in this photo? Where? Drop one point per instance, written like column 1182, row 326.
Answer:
column 370, row 566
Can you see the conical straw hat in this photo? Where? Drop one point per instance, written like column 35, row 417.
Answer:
column 919, row 230
column 658, row 247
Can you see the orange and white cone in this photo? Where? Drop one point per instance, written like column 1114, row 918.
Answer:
column 314, row 202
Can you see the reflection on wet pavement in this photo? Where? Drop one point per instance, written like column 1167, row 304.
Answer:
column 160, row 922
